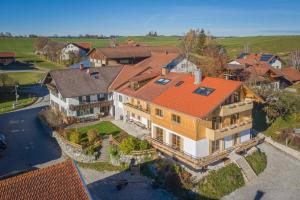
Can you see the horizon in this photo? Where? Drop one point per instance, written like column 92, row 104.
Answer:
column 133, row 18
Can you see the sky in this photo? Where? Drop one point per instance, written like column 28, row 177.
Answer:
column 138, row 17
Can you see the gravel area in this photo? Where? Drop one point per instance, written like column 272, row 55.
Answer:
column 102, row 186
column 280, row 180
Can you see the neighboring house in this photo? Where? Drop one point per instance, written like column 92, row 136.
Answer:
column 82, row 93
column 56, row 182
column 258, row 76
column 197, row 117
column 254, row 59
column 7, row 58
column 136, row 76
column 77, row 48
column 291, row 73
column 128, row 55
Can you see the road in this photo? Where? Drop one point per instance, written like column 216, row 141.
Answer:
column 280, row 180
column 29, row 146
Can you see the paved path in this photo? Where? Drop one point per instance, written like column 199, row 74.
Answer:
column 29, row 145
column 132, row 129
column 102, row 186
column 280, row 180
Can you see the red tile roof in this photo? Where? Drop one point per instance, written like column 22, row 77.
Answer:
column 183, row 99
column 152, row 90
column 7, row 54
column 291, row 73
column 56, row 182
column 151, row 64
column 84, row 45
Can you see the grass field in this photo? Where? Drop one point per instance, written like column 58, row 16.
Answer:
column 26, row 78
column 104, row 128
column 280, row 45
column 257, row 161
column 7, row 100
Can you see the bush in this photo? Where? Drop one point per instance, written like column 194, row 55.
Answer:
column 92, row 135
column 128, row 145
column 257, row 161
column 143, row 145
column 90, row 150
column 221, row 182
column 113, row 150
column 75, row 137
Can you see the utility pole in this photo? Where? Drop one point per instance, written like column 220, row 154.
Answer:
column 17, row 96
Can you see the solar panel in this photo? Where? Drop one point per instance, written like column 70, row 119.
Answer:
column 242, row 55
column 204, row 91
column 162, row 81
column 266, row 57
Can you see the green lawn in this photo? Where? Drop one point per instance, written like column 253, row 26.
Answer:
column 26, row 78
column 7, row 100
column 102, row 166
column 280, row 45
column 104, row 128
column 257, row 161
column 221, row 182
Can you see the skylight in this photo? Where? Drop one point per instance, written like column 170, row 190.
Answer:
column 162, row 81
column 204, row 91
column 266, row 57
column 179, row 83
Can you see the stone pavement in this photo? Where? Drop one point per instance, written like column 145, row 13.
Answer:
column 280, row 180
column 131, row 129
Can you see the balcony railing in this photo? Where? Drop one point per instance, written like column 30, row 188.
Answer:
column 192, row 161
column 217, row 134
column 94, row 104
column 138, row 110
column 236, row 108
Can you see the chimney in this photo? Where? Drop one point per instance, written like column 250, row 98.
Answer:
column 198, row 76
column 81, row 66
column 164, row 71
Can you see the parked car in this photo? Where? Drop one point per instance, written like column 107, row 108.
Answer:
column 2, row 142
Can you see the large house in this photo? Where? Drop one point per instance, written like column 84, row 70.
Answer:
column 82, row 92
column 7, row 58
column 56, row 182
column 75, row 48
column 128, row 55
column 255, row 59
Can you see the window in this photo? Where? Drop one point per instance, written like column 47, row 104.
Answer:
column 176, row 118
column 159, row 112
column 148, row 107
column 133, row 115
column 204, row 91
column 234, row 118
column 176, row 142
column 120, row 98
column 215, row 146
column 159, row 134
column 88, row 99
column 216, row 123
column 179, row 83
column 80, row 99
column 162, row 81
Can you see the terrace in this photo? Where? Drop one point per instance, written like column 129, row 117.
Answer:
column 238, row 107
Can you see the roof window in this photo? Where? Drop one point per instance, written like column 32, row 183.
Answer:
column 204, row 91
column 162, row 81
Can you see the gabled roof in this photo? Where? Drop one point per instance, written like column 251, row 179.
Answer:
column 184, row 99
column 152, row 89
column 7, row 54
column 56, row 182
column 76, row 82
column 291, row 73
column 121, row 52
column 255, row 59
column 151, row 64
column 83, row 45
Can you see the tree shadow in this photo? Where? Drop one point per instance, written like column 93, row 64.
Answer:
column 18, row 65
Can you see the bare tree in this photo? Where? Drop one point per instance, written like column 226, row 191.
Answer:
column 295, row 59
column 190, row 42
column 40, row 43
column 113, row 42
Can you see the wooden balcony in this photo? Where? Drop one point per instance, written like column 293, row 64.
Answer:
column 217, row 134
column 236, row 108
column 138, row 110
column 192, row 161
column 97, row 104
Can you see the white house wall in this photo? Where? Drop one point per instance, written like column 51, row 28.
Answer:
column 228, row 142
column 245, row 136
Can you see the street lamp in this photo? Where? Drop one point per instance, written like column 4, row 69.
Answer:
column 17, row 96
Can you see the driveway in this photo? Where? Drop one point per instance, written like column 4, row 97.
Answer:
column 29, row 145
column 280, row 180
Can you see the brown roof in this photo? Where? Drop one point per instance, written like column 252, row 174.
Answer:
column 7, row 54
column 56, row 182
column 76, row 82
column 84, row 45
column 152, row 90
column 291, row 73
column 131, row 51
column 151, row 64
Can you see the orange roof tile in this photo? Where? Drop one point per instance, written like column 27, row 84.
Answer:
column 184, row 100
column 84, row 45
column 291, row 73
column 151, row 64
column 56, row 182
column 7, row 54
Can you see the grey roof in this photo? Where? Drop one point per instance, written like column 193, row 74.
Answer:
column 76, row 82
